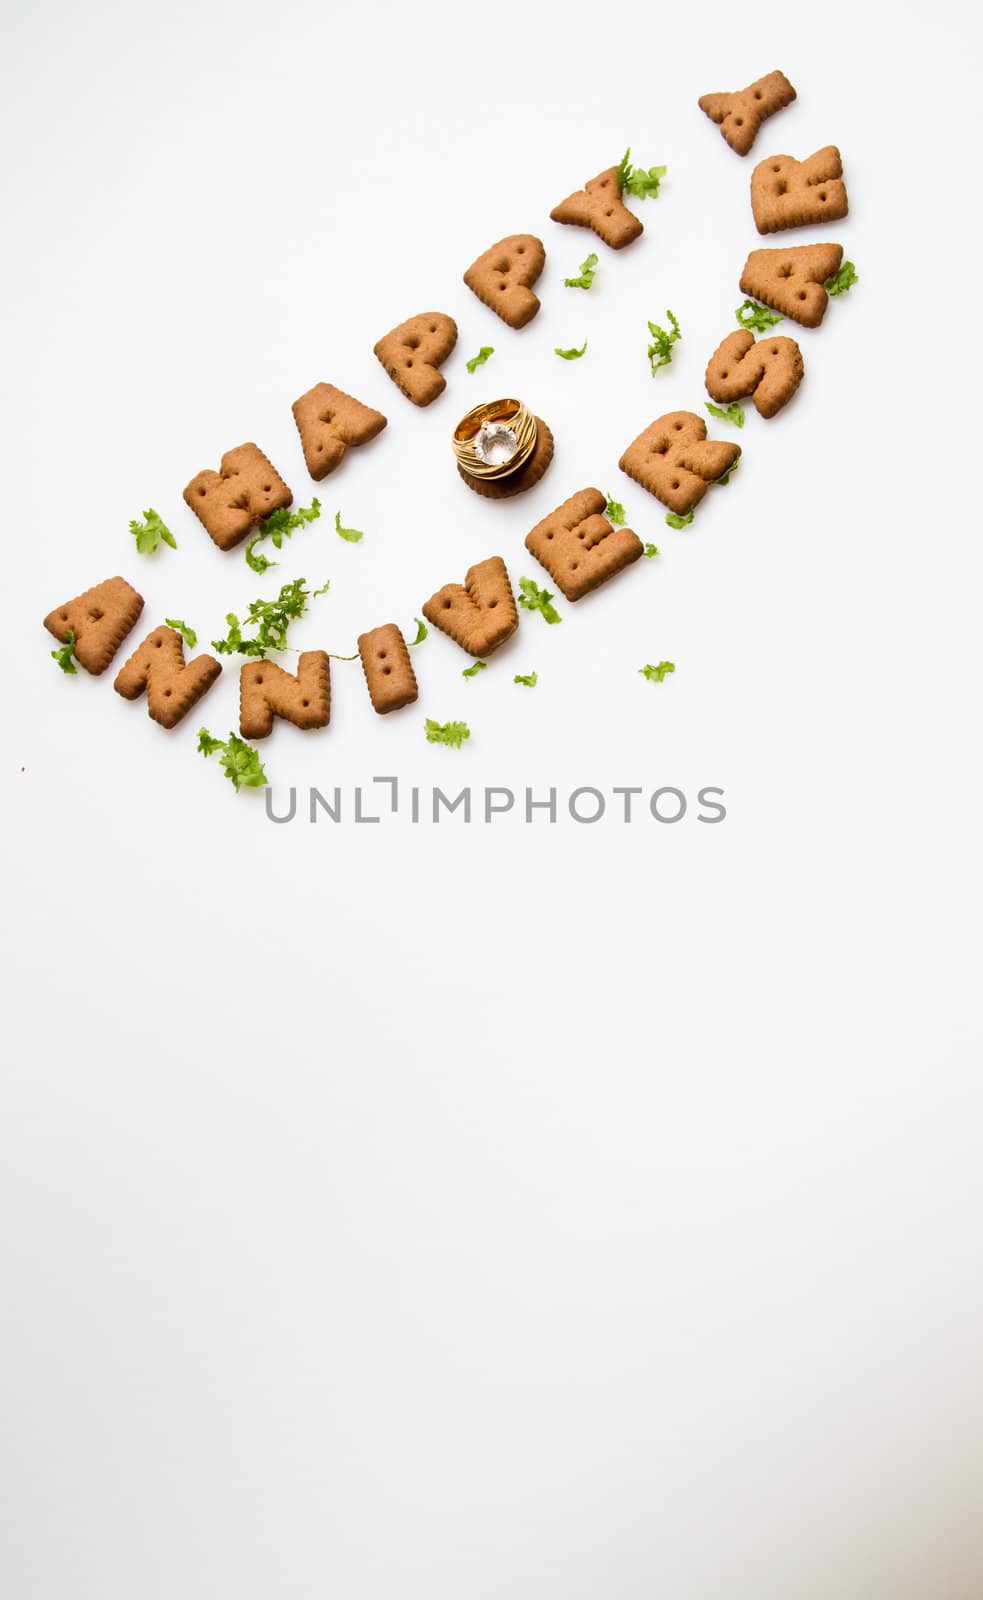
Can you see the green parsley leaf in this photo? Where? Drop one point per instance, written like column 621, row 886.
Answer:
column 639, row 181
column 240, row 761
column 271, row 619
column 421, row 632
column 480, row 359
column 728, row 472
column 756, row 317
column 351, row 534
column 615, row 512
column 650, row 550
column 530, row 679
column 587, row 270
column 449, row 733
column 842, row 280
column 149, row 533
column 675, row 521
column 187, row 634
column 657, row 674
column 734, row 413
column 472, row 672
column 279, row 525
column 63, row 655
column 662, row 343
column 532, row 598
column 571, row 354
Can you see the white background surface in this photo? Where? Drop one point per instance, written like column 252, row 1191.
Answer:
column 517, row 1211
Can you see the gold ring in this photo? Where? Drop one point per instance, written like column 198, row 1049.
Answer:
column 495, row 439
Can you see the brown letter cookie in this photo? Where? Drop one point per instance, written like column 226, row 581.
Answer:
column 578, row 546
column 265, row 691
column 791, row 280
column 231, row 502
column 786, row 193
column 480, row 614
column 503, row 277
column 770, row 370
column 412, row 353
column 328, row 421
column 740, row 115
column 157, row 665
column 598, row 205
column 674, row 460
column 100, row 620
column 388, row 668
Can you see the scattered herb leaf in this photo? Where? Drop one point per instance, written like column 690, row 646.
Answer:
column 421, row 632
column 351, row 534
column 571, row 354
column 734, row 413
column 240, row 761
column 728, row 473
column 639, row 181
column 532, row 598
column 63, row 655
column 149, row 533
column 662, row 343
column 650, row 550
column 587, row 270
column 675, row 521
column 530, row 679
column 472, row 672
column 279, row 525
column 842, row 280
column 271, row 618
column 615, row 512
column 657, row 674
column 450, row 733
column 756, row 317
column 480, row 359
column 187, row 634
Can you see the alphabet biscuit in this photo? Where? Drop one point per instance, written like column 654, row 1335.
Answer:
column 328, row 421
column 479, row 614
column 231, row 502
column 100, row 619
column 786, row 193
column 770, row 369
column 388, row 670
column 598, row 205
column 791, row 280
column 412, row 353
column 172, row 686
column 674, row 460
column 578, row 545
column 267, row 691
column 503, row 277
column 740, row 115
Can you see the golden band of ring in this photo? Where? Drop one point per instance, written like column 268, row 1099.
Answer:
column 494, row 422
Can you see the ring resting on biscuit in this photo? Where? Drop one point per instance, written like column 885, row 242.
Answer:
column 501, row 448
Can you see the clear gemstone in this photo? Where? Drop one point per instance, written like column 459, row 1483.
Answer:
column 495, row 444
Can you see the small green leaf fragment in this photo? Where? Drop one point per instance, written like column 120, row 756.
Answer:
column 472, row 671
column 150, row 532
column 187, row 634
column 615, row 513
column 660, row 350
column 734, row 413
column 650, row 550
column 63, row 655
column 756, row 317
column 588, row 268
column 480, row 359
column 530, row 679
column 240, row 761
column 675, row 521
column 728, row 472
column 657, row 674
column 532, row 598
column 449, row 733
column 571, row 354
column 351, row 534
column 843, row 280
column 421, row 632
